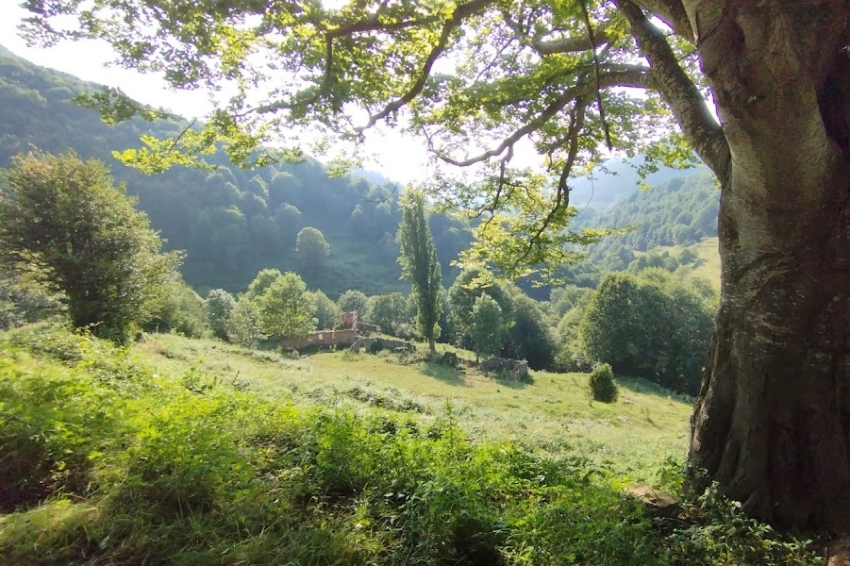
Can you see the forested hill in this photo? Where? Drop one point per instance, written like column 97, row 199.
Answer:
column 231, row 222
column 678, row 212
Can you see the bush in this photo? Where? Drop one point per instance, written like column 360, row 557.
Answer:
column 602, row 386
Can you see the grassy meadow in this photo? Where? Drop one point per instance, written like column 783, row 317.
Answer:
column 194, row 452
column 554, row 413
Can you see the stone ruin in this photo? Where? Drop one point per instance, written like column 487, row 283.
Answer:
column 372, row 345
column 352, row 330
column 510, row 370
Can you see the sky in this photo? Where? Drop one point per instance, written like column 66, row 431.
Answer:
column 397, row 157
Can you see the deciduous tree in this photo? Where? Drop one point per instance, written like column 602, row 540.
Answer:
column 311, row 249
column 287, row 310
column 488, row 328
column 419, row 264
column 64, row 220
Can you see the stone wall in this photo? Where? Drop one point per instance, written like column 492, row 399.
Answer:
column 323, row 339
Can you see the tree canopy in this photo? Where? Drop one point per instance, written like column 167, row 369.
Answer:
column 63, row 220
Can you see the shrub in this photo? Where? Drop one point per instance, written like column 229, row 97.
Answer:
column 602, row 386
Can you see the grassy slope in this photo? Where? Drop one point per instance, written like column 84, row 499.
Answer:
column 633, row 436
column 199, row 453
column 707, row 266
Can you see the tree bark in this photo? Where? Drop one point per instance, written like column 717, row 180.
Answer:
column 772, row 422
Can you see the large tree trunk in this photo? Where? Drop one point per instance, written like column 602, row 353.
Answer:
column 772, row 422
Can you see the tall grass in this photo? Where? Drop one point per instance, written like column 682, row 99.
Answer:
column 133, row 465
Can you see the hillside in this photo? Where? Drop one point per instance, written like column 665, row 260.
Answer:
column 232, row 222
column 195, row 452
column 663, row 222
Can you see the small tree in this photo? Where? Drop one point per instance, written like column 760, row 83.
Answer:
column 327, row 312
column 602, row 386
column 311, row 249
column 488, row 329
column 219, row 306
column 64, row 220
column 354, row 301
column 261, row 282
column 243, row 326
column 287, row 309
column 389, row 312
column 419, row 264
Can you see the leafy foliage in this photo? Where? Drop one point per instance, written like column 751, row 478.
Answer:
column 602, row 385
column 63, row 220
column 244, row 325
column 180, row 474
column 354, row 301
column 649, row 326
column 489, row 327
column 232, row 222
column 311, row 249
column 327, row 311
column 219, row 306
column 286, row 309
column 391, row 313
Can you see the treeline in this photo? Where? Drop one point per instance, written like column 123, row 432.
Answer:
column 231, row 222
column 646, row 324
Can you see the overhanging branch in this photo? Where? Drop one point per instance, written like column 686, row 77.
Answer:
column 634, row 77
column 672, row 13
column 686, row 101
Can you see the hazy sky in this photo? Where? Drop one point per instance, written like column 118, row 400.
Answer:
column 397, row 157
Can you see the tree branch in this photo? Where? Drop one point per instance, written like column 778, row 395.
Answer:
column 462, row 12
column 596, row 38
column 635, row 77
column 672, row 13
column 688, row 105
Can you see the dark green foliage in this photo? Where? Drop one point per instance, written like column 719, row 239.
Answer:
column 64, row 220
column 219, row 306
column 327, row 311
column 649, row 326
column 419, row 264
column 466, row 289
column 23, row 300
column 602, row 385
column 391, row 314
column 180, row 309
column 311, row 250
column 529, row 337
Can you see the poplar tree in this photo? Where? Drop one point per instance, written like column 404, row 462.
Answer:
column 419, row 264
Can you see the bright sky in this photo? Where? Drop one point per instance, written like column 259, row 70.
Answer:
column 399, row 158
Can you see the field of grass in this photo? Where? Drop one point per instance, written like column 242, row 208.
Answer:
column 646, row 427
column 187, row 452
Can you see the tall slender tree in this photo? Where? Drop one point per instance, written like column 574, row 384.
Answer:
column 419, row 263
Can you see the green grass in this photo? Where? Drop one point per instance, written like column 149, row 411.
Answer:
column 708, row 265
column 199, row 453
column 644, row 428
